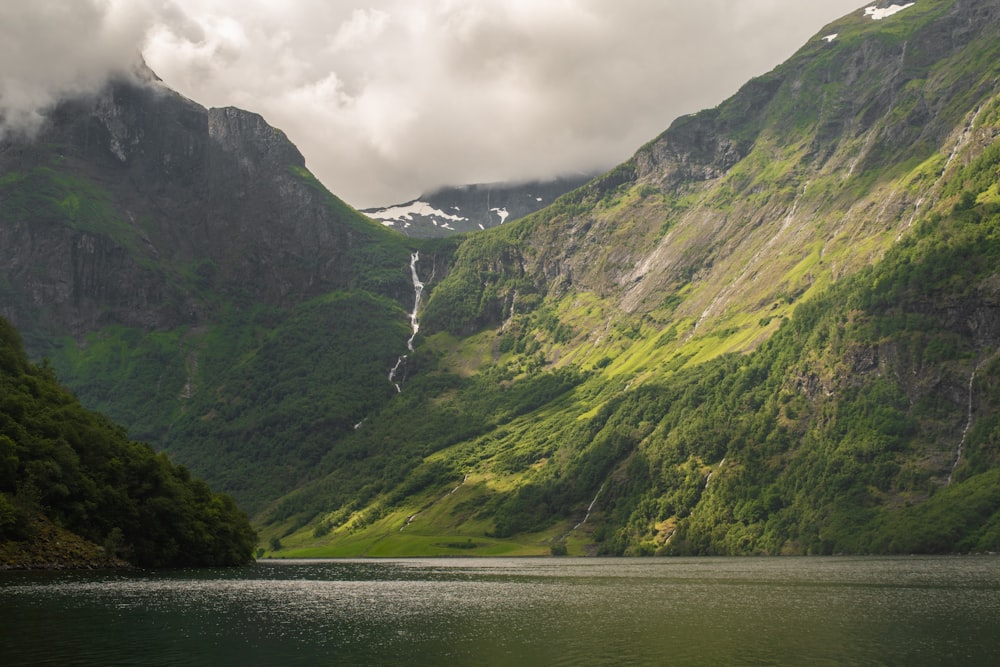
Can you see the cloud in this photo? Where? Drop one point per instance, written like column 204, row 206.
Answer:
column 50, row 49
column 360, row 31
column 391, row 98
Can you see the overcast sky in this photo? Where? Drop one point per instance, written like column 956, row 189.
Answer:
column 391, row 98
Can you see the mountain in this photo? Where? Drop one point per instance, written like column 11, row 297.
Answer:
column 183, row 272
column 472, row 207
column 773, row 330
column 138, row 207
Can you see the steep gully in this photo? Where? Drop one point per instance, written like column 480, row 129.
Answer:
column 418, row 290
column 704, row 489
column 708, row 479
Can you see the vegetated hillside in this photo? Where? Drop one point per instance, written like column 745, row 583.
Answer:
column 63, row 465
column 774, row 330
column 471, row 208
column 185, row 274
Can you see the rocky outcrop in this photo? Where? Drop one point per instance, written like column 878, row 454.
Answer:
column 50, row 547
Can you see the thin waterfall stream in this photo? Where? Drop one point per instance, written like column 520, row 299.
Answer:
column 418, row 290
column 410, row 518
column 712, row 472
column 590, row 508
column 965, row 432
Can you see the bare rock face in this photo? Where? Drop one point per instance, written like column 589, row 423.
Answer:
column 247, row 138
column 89, row 281
column 133, row 206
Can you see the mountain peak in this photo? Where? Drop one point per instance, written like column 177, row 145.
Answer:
column 165, row 190
column 251, row 140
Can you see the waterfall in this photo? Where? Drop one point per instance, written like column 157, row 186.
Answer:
column 418, row 290
column 590, row 508
column 410, row 518
column 965, row 432
column 392, row 373
column 464, row 480
column 712, row 472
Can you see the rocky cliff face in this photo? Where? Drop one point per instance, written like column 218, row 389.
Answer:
column 134, row 205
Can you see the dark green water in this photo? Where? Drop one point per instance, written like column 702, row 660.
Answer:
column 787, row 611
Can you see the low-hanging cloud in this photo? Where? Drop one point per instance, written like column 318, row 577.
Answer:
column 50, row 49
column 390, row 98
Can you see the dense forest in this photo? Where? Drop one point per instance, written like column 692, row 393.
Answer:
column 74, row 468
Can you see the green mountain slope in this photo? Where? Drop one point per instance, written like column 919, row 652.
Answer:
column 185, row 274
column 64, row 465
column 765, row 329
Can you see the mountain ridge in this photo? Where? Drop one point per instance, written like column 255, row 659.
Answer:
column 796, row 198
column 688, row 161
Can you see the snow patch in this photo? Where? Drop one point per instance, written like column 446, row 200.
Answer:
column 878, row 14
column 830, row 38
column 502, row 213
column 407, row 211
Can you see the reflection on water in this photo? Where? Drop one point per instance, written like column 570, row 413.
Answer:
column 832, row 611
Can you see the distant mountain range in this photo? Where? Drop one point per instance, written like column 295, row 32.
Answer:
column 472, row 208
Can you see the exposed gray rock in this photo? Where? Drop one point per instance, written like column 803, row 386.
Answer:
column 134, row 205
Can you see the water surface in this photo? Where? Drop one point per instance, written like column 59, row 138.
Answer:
column 748, row 611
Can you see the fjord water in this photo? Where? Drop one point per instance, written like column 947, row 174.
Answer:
column 752, row 611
